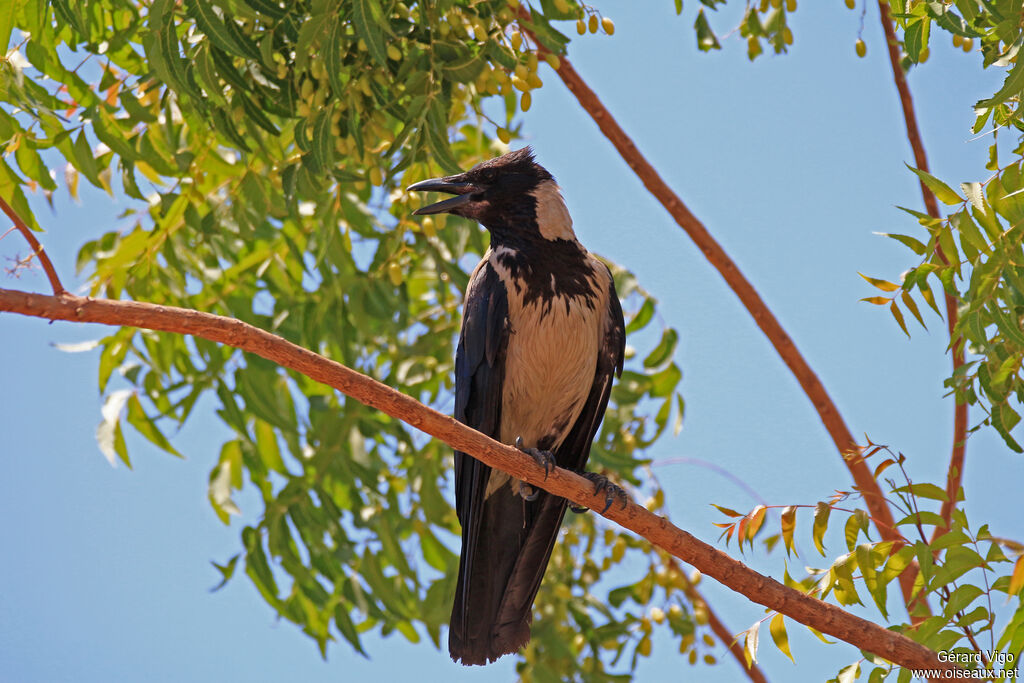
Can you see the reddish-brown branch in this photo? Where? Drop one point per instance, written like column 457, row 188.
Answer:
column 753, row 671
column 37, row 248
column 954, row 475
column 735, row 575
column 755, row 305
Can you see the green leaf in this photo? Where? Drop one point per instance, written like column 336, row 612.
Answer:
column 777, row 628
column 642, row 317
column 1013, row 84
column 943, row 192
column 821, row 515
column 226, row 572
column 144, row 425
column 924, row 490
column 912, row 243
column 216, row 28
column 961, row 598
column 706, row 38
column 367, row 26
column 7, row 15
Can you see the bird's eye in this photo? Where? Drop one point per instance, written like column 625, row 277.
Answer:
column 489, row 175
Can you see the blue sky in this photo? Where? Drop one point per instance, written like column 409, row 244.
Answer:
column 792, row 162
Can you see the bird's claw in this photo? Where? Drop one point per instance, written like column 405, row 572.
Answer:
column 528, row 492
column 543, row 458
column 613, row 492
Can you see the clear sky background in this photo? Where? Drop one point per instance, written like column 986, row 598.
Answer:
column 792, row 162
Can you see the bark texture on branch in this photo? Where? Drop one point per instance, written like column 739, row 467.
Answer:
column 955, row 472
column 755, row 305
column 761, row 589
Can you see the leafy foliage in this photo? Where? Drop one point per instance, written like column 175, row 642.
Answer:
column 261, row 146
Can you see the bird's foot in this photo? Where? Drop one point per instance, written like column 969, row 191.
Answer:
column 543, row 458
column 612, row 492
column 528, row 492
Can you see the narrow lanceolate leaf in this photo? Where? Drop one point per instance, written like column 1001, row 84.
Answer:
column 144, row 425
column 821, row 514
column 750, row 643
column 777, row 628
column 912, row 243
column 1017, row 578
column 883, row 285
column 216, row 28
column 943, row 192
column 898, row 315
column 368, row 28
column 706, row 38
column 788, row 527
column 7, row 22
column 877, row 300
column 911, row 305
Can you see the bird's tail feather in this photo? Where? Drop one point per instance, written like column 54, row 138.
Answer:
column 499, row 574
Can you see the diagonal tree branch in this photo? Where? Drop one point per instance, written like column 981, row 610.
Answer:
column 955, row 473
column 755, row 305
column 819, row 615
column 37, row 248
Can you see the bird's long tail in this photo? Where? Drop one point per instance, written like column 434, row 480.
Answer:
column 500, row 569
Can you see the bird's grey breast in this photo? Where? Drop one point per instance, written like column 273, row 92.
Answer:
column 555, row 336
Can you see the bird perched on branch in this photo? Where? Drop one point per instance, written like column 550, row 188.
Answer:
column 542, row 335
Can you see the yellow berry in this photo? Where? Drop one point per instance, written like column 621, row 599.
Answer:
column 581, row 27
column 531, row 61
column 790, row 5
column 429, row 229
column 657, row 615
column 609, row 26
column 957, row 40
column 376, row 177
column 521, row 71
column 504, row 135
column 675, row 611
column 644, row 648
column 861, row 47
column 516, row 39
column 923, row 57
column 553, row 61
column 394, row 53
column 787, row 36
column 520, row 84
column 534, row 81
column 525, row 102
column 592, row 23
column 562, row 6
column 968, row 44
column 850, row 4
column 395, row 273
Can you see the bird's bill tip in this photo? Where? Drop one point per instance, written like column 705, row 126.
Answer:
column 462, row 190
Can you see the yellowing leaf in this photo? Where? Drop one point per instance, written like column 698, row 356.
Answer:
column 821, row 514
column 883, row 285
column 788, row 526
column 896, row 313
column 877, row 300
column 777, row 628
column 1017, row 578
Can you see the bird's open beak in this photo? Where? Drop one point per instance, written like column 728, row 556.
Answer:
column 452, row 185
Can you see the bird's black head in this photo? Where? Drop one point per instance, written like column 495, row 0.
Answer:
column 512, row 196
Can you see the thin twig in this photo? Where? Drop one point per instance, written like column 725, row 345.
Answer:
column 755, row 305
column 37, row 248
column 955, row 472
column 821, row 616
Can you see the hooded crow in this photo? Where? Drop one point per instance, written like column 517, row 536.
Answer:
column 542, row 335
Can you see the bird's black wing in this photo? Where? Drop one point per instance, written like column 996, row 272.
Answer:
column 543, row 517
column 479, row 376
